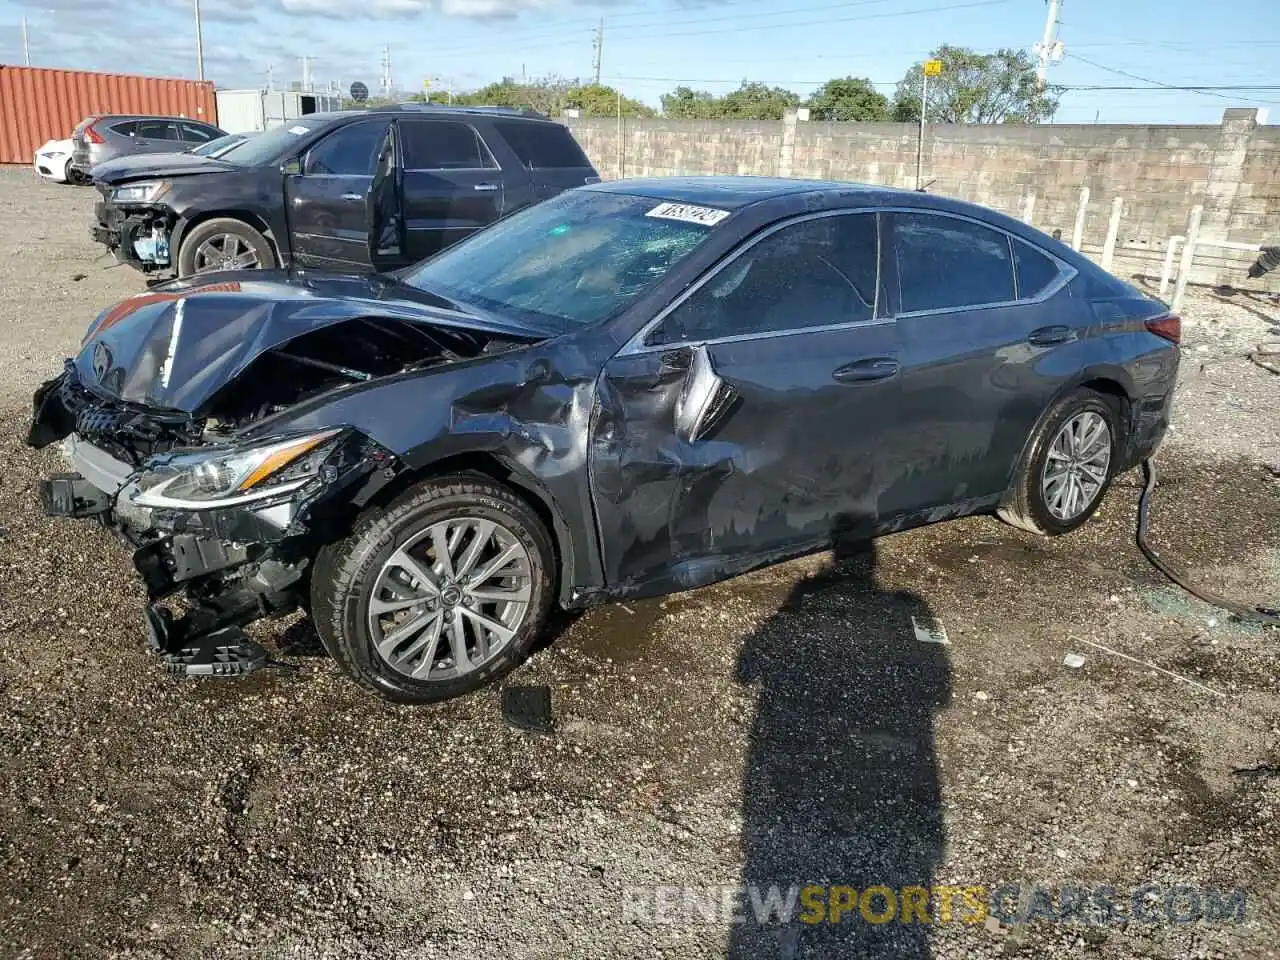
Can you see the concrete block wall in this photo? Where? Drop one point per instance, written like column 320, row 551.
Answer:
column 1161, row 171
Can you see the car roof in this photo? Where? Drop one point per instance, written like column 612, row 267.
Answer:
column 434, row 110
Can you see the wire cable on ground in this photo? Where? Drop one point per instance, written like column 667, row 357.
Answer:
column 1267, row 616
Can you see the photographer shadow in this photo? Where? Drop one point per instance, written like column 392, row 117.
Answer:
column 841, row 783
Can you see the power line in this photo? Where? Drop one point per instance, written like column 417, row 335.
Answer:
column 664, row 34
column 1207, row 91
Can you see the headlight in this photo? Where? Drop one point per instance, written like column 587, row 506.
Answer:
column 226, row 478
column 148, row 192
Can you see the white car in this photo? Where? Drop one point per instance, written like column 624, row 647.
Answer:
column 53, row 161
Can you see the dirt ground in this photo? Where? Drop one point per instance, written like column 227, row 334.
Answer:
column 786, row 728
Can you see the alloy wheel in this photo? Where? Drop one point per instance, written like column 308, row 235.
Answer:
column 1077, row 465
column 225, row 251
column 450, row 599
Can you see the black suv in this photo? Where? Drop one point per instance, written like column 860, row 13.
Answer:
column 358, row 190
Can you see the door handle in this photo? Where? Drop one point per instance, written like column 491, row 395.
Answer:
column 1048, row 336
column 863, row 371
column 485, row 187
column 352, row 196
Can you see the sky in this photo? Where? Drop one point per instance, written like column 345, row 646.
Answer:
column 651, row 46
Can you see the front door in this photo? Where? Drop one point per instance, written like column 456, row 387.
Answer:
column 758, row 419
column 329, row 203
column 452, row 184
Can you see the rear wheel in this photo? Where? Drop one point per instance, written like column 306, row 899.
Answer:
column 439, row 594
column 1068, row 465
column 224, row 244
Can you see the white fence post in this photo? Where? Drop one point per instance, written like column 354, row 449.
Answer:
column 1029, row 207
column 1188, row 256
column 1113, row 231
column 1077, row 235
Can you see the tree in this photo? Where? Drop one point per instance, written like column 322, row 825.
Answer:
column 999, row 87
column 848, row 98
column 597, row 100
column 751, row 101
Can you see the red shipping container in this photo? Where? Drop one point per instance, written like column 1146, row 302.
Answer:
column 38, row 104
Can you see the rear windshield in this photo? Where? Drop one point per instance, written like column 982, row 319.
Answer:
column 270, row 145
column 571, row 261
column 542, row 145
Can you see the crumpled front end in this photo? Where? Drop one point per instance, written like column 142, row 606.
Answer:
column 226, row 550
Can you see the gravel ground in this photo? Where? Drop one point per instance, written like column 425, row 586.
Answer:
column 783, row 728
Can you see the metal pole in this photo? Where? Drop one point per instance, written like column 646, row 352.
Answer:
column 1188, row 256
column 620, row 156
column 1077, row 235
column 1046, row 42
column 199, row 44
column 1113, row 231
column 26, row 49
column 924, row 109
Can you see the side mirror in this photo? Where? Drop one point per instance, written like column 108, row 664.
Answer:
column 292, row 167
column 704, row 399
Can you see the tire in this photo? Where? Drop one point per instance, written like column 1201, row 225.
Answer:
column 1027, row 504
column 349, row 576
column 225, row 233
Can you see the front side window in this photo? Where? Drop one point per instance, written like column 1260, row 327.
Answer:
column 349, row 151
column 442, row 145
column 815, row 273
column 195, row 133
column 571, row 261
column 945, row 263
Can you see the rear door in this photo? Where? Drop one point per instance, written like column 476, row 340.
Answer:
column 452, row 184
column 328, row 203
column 979, row 312
column 156, row 136
column 549, row 153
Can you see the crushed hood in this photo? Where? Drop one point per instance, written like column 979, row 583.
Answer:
column 176, row 347
column 145, row 166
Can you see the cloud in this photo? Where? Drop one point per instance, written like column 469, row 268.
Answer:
column 408, row 9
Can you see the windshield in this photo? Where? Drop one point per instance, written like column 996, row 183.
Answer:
column 218, row 146
column 268, row 146
column 571, row 261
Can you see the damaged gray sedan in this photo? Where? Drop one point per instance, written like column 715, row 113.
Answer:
column 631, row 389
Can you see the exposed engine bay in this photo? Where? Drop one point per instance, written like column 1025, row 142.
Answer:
column 166, row 417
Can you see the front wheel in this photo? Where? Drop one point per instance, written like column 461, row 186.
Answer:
column 441, row 593
column 224, row 244
column 1068, row 465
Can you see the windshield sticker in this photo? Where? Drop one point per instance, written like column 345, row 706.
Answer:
column 299, row 130
column 689, row 213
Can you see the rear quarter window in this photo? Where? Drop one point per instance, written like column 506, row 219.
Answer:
column 1036, row 271
column 126, row 129
column 541, row 145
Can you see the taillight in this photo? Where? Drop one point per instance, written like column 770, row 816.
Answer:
column 1168, row 326
column 92, row 135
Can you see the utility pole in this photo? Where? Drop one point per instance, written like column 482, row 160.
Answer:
column 306, row 73
column 386, row 71
column 26, row 49
column 599, row 51
column 271, row 77
column 1049, row 49
column 199, row 44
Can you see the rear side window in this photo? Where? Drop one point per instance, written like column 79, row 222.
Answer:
column 351, row 150
column 945, row 263
column 443, row 145
column 157, row 130
column 1035, row 270
column 126, row 129
column 541, row 145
